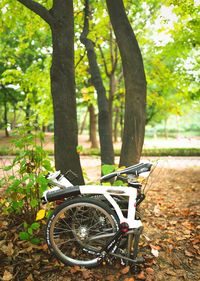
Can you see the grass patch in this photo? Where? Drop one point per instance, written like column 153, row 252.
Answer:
column 8, row 151
column 171, row 152
column 153, row 152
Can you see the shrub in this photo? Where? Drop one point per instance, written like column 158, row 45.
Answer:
column 25, row 181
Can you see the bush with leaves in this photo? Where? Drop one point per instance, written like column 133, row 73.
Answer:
column 25, row 181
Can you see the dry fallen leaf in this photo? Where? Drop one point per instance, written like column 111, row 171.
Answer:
column 7, row 276
column 29, row 278
column 141, row 276
column 8, row 250
column 110, row 277
column 86, row 274
column 170, row 272
column 155, row 253
column 129, row 279
column 75, row 269
column 125, row 270
column 156, row 211
column 188, row 254
column 149, row 270
column 155, row 247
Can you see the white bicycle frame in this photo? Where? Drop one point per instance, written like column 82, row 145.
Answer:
column 108, row 192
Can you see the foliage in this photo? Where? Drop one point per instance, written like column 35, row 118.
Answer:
column 168, row 37
column 24, row 65
column 26, row 181
column 106, row 169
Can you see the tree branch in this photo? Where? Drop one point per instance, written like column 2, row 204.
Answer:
column 80, row 59
column 115, row 59
column 85, row 31
column 104, row 62
column 38, row 9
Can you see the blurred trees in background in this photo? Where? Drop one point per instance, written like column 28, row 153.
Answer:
column 168, row 36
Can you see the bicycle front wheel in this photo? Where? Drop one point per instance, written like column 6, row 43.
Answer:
column 79, row 229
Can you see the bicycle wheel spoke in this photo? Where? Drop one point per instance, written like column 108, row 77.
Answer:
column 80, row 229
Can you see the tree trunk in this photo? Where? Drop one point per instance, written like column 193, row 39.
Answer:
column 116, row 121
column 63, row 89
column 6, row 115
column 93, row 126
column 135, row 84
column 61, row 21
column 82, row 126
column 104, row 122
column 112, row 89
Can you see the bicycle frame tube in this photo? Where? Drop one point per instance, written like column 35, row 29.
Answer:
column 108, row 191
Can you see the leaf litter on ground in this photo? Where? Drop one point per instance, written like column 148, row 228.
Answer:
column 171, row 217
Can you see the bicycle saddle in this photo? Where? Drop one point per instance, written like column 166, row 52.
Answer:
column 132, row 170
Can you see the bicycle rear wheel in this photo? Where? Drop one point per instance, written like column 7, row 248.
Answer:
column 79, row 229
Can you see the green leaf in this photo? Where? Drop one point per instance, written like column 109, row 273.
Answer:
column 17, row 205
column 24, row 235
column 119, row 183
column 42, row 180
column 35, row 241
column 107, row 169
column 35, row 225
column 34, row 203
column 30, row 231
column 49, row 213
column 47, row 165
column 25, row 225
column 106, row 183
column 7, row 168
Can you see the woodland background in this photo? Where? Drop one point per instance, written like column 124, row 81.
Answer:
column 168, row 36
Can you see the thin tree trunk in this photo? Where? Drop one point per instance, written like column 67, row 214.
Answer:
column 6, row 115
column 116, row 121
column 104, row 122
column 28, row 114
column 82, row 127
column 93, row 126
column 112, row 89
column 14, row 117
column 135, row 84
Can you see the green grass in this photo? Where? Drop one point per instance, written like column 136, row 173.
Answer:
column 6, row 151
column 171, row 152
column 153, row 152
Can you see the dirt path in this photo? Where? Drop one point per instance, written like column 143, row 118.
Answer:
column 171, row 232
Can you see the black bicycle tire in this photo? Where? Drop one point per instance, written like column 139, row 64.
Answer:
column 49, row 238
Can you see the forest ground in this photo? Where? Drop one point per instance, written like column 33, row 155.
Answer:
column 170, row 242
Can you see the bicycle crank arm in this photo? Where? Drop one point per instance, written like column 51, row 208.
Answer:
column 134, row 261
column 123, row 229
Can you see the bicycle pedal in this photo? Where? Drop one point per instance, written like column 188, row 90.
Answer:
column 135, row 269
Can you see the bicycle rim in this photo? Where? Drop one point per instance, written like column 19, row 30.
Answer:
column 79, row 229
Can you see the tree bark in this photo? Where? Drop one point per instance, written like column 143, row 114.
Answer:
column 6, row 114
column 93, row 126
column 135, row 84
column 61, row 21
column 104, row 122
column 113, row 60
column 82, row 125
column 116, row 121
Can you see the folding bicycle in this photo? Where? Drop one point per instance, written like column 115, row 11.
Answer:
column 96, row 223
